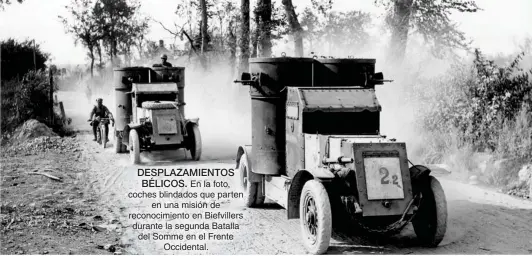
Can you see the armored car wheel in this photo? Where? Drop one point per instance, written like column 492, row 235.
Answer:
column 134, row 144
column 252, row 191
column 194, row 142
column 430, row 222
column 315, row 217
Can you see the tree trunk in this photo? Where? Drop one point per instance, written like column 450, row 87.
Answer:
column 264, row 13
column 243, row 64
column 295, row 27
column 232, row 49
column 402, row 10
column 255, row 38
column 91, row 52
column 204, row 17
column 99, row 50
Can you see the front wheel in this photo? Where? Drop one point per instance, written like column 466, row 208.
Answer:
column 103, row 135
column 195, row 142
column 430, row 222
column 315, row 217
column 134, row 144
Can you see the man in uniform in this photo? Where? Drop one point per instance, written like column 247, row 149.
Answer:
column 165, row 63
column 100, row 111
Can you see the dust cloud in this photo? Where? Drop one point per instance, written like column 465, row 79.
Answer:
column 223, row 107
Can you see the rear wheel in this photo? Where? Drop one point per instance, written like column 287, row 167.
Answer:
column 134, row 151
column 315, row 217
column 430, row 222
column 195, row 142
column 253, row 196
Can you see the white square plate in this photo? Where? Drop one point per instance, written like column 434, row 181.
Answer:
column 383, row 178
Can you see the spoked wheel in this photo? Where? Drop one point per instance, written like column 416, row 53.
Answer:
column 430, row 222
column 195, row 142
column 134, row 144
column 103, row 136
column 315, row 217
column 252, row 190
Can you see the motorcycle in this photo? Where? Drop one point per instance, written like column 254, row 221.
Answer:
column 102, row 130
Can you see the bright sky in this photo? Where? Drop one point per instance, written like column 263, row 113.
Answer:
column 498, row 29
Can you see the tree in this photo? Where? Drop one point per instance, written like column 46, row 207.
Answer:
column 6, row 2
column 295, row 27
column 243, row 64
column 263, row 12
column 310, row 25
column 400, row 23
column 118, row 24
column 429, row 18
column 204, row 25
column 18, row 58
column 135, row 29
column 346, row 31
column 84, row 27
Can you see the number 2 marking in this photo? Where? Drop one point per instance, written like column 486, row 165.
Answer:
column 385, row 173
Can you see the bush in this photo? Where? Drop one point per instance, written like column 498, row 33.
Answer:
column 18, row 58
column 480, row 107
column 24, row 100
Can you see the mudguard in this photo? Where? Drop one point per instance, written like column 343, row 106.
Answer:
column 125, row 132
column 296, row 186
column 419, row 175
column 192, row 120
column 252, row 177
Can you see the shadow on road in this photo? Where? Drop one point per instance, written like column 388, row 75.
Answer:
column 482, row 228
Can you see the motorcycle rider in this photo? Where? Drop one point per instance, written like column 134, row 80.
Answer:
column 100, row 111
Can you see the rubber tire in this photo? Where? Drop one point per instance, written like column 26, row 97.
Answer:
column 118, row 144
column 104, row 138
column 195, row 140
column 134, row 152
column 430, row 222
column 159, row 105
column 253, row 195
column 316, row 191
column 98, row 135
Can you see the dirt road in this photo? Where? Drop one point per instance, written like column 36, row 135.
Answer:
column 481, row 221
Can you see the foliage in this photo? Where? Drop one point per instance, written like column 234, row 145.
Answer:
column 431, row 19
column 113, row 26
column 18, row 58
column 347, row 29
column 6, row 2
column 340, row 31
column 485, row 105
column 26, row 99
column 322, row 6
column 83, row 26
